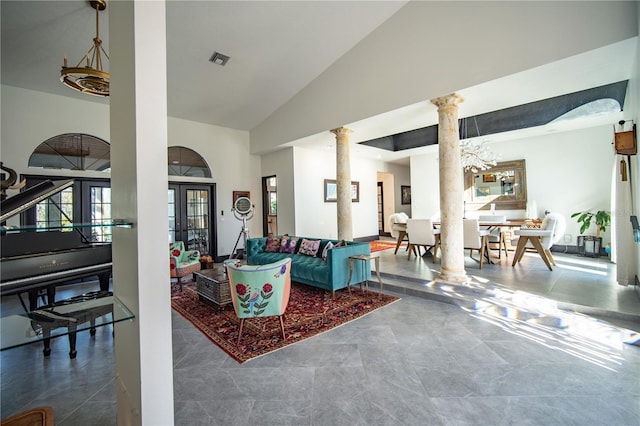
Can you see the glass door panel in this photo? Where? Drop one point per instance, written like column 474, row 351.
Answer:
column 173, row 226
column 100, row 208
column 197, row 220
column 190, row 208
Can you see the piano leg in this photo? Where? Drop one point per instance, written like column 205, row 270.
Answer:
column 33, row 299
column 72, row 341
column 47, row 341
column 35, row 293
column 51, row 294
column 104, row 281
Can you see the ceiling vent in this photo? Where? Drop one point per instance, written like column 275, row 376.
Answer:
column 219, row 59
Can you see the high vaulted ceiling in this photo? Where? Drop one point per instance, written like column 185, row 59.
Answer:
column 277, row 48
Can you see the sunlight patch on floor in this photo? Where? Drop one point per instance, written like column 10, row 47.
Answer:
column 539, row 320
column 583, row 265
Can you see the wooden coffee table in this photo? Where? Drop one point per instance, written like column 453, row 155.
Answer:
column 213, row 285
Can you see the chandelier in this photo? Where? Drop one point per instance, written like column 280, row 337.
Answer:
column 91, row 78
column 474, row 155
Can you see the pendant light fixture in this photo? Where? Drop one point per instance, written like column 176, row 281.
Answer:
column 91, row 78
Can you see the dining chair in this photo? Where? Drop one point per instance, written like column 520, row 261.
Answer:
column 422, row 234
column 496, row 233
column 398, row 228
column 475, row 238
column 541, row 239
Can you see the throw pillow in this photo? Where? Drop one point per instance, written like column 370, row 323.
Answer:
column 288, row 245
column 273, row 244
column 327, row 247
column 174, row 249
column 309, row 247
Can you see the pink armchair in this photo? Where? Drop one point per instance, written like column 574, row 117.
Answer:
column 182, row 262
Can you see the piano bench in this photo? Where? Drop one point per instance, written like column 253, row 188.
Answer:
column 48, row 319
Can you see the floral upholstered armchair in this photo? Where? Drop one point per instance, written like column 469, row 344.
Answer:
column 260, row 291
column 182, row 262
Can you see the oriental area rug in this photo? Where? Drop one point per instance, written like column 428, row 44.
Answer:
column 384, row 245
column 311, row 311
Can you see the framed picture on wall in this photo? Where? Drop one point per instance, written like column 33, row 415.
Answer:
column 331, row 191
column 405, row 192
column 238, row 194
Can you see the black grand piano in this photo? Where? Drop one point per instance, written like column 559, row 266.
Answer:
column 36, row 260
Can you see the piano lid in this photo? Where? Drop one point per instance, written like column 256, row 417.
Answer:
column 30, row 197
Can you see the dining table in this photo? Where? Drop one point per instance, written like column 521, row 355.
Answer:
column 490, row 225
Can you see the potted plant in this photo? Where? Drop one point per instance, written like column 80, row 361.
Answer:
column 602, row 219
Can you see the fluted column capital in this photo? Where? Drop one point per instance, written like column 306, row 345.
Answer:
column 447, row 102
column 341, row 132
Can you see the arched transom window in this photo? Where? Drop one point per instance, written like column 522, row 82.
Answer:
column 72, row 151
column 186, row 162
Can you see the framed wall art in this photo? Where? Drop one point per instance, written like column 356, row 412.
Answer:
column 331, row 191
column 405, row 194
column 238, row 194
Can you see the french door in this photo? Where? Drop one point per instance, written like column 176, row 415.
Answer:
column 191, row 208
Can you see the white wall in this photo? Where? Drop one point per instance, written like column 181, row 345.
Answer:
column 29, row 118
column 566, row 173
column 419, row 53
column 314, row 217
column 425, row 189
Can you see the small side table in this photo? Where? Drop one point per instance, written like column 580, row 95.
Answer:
column 364, row 258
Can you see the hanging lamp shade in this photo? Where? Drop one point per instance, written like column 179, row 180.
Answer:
column 91, row 78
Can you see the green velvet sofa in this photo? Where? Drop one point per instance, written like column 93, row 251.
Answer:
column 330, row 274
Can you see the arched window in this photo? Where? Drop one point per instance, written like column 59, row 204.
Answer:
column 72, row 151
column 186, row 162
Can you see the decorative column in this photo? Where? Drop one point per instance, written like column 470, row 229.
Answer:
column 139, row 179
column 451, row 191
column 343, row 183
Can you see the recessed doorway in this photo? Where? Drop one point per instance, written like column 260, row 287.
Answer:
column 269, row 205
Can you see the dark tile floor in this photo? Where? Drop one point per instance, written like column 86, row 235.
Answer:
column 512, row 348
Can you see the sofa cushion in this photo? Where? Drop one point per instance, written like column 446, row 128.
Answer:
column 326, row 248
column 176, row 249
column 273, row 244
column 309, row 247
column 309, row 269
column 288, row 244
